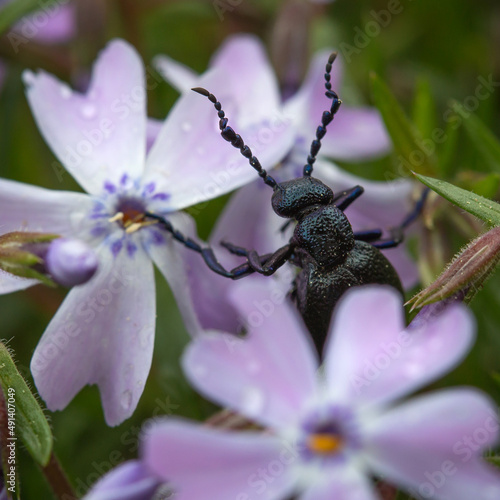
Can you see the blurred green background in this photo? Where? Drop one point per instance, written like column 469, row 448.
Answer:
column 443, row 47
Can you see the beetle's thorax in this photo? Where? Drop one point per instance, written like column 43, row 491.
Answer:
column 325, row 234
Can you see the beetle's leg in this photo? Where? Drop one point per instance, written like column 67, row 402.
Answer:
column 242, row 252
column 368, row 236
column 397, row 233
column 347, row 197
column 207, row 253
column 263, row 264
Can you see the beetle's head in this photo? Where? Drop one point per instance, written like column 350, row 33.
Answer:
column 291, row 198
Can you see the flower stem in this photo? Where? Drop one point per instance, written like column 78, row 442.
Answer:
column 57, row 479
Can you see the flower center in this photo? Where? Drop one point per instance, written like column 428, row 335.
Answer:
column 130, row 212
column 330, row 433
column 324, row 443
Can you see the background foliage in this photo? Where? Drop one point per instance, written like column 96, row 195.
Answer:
column 436, row 51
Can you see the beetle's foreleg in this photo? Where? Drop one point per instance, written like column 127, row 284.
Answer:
column 263, row 264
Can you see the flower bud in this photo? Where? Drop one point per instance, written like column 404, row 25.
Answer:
column 47, row 258
column 466, row 273
column 70, row 262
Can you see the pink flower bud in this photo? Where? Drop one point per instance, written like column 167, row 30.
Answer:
column 70, row 262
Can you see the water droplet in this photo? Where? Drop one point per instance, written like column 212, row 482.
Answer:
column 186, row 126
column 252, row 401
column 126, row 400
column 89, row 110
column 65, row 91
column 28, row 77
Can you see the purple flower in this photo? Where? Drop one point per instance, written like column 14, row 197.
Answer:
column 129, row 481
column 28, row 258
column 103, row 333
column 328, row 434
column 356, row 133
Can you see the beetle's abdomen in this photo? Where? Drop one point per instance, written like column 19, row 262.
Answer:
column 317, row 291
column 326, row 235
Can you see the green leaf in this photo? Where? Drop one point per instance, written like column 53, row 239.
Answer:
column 482, row 137
column 413, row 152
column 31, row 426
column 15, row 10
column 483, row 208
column 424, row 109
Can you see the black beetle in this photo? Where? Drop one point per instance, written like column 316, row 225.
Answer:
column 332, row 257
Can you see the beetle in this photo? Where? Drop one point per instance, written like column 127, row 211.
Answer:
column 331, row 257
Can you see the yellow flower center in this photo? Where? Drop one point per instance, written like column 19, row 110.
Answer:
column 324, row 443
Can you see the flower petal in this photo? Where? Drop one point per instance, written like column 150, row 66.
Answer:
column 10, row 283
column 249, row 221
column 172, row 259
column 152, row 130
column 371, row 359
column 383, row 205
column 243, row 58
column 270, row 374
column 226, row 465
column 181, row 77
column 342, row 483
column 433, row 444
column 31, row 208
column 191, row 161
column 102, row 334
column 356, row 134
column 129, row 481
column 101, row 135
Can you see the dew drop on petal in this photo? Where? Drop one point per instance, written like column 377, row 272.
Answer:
column 186, row 126
column 126, row 399
column 65, row 91
column 89, row 110
column 252, row 401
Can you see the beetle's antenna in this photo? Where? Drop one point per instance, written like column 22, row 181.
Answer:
column 235, row 139
column 325, row 119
